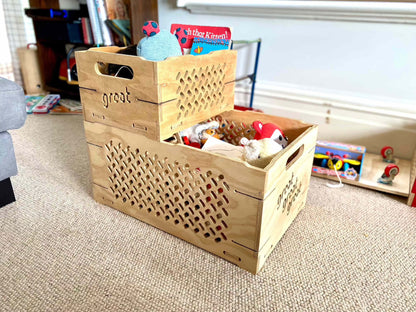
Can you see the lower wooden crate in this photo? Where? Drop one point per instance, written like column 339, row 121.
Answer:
column 223, row 205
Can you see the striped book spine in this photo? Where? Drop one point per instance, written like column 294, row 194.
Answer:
column 95, row 23
column 102, row 17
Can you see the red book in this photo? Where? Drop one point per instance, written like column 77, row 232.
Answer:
column 86, row 30
column 209, row 32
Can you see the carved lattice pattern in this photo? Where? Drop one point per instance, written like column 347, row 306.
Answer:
column 195, row 200
column 200, row 89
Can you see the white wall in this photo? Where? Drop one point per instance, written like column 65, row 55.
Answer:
column 310, row 67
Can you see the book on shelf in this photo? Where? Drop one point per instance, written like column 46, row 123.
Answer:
column 75, row 32
column 102, row 17
column 86, row 30
column 98, row 15
column 95, row 23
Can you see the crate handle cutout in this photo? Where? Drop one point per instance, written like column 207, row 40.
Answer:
column 120, row 71
column 295, row 156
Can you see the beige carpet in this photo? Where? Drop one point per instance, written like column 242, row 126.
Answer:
column 350, row 249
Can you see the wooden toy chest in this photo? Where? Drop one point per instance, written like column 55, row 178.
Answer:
column 162, row 98
column 223, row 205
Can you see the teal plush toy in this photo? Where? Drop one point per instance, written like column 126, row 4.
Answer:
column 158, row 44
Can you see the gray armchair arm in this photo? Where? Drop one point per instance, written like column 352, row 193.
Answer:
column 12, row 105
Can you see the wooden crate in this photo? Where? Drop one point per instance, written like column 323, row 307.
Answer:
column 223, row 205
column 163, row 97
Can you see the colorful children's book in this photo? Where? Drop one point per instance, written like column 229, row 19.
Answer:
column 204, row 46
column 45, row 104
column 31, row 102
column 208, row 32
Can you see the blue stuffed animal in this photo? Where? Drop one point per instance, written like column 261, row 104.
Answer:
column 158, row 44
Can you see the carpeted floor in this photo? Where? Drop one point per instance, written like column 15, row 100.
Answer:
column 350, row 249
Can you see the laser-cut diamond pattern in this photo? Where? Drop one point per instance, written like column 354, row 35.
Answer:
column 198, row 201
column 200, row 89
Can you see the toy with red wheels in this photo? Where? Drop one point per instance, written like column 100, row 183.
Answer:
column 389, row 174
column 336, row 162
column 387, row 154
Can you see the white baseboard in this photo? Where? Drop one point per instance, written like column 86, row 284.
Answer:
column 357, row 120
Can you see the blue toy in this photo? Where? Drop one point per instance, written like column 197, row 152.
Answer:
column 158, row 44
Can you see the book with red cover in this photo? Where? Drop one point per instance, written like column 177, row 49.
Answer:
column 86, row 30
column 209, row 32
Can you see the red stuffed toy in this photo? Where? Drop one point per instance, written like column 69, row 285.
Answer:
column 271, row 131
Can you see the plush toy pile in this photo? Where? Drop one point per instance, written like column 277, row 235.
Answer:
column 268, row 141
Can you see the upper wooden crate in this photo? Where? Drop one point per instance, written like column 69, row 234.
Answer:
column 163, row 97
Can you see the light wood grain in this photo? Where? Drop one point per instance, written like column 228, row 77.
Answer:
column 212, row 201
column 163, row 97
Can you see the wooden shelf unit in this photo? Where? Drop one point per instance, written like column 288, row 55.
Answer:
column 403, row 185
column 53, row 45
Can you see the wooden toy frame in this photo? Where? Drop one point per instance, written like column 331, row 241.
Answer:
column 403, row 185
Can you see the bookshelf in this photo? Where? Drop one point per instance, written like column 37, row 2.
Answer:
column 54, row 40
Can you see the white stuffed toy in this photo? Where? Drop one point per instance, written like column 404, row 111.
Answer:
column 195, row 133
column 259, row 152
